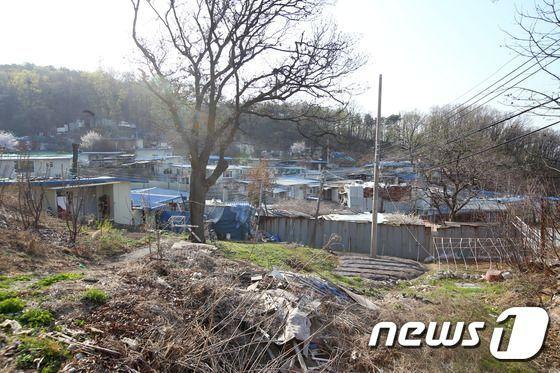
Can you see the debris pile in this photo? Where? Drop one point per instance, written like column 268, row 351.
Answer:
column 195, row 310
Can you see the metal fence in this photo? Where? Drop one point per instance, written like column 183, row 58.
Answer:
column 404, row 240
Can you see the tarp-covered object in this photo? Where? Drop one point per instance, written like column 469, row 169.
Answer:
column 155, row 198
column 235, row 220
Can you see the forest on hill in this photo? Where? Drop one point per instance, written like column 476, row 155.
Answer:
column 35, row 100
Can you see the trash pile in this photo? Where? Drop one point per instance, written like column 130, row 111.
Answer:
column 197, row 311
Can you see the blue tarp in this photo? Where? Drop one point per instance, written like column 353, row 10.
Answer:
column 154, row 198
column 235, row 220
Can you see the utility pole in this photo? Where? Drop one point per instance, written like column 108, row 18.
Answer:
column 374, row 203
column 318, row 207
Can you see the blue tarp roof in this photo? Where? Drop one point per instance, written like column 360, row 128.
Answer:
column 217, row 157
column 153, row 198
column 343, row 156
column 407, row 176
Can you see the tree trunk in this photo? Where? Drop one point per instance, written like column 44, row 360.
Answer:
column 197, row 201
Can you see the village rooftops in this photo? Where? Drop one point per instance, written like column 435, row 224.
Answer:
column 287, row 181
column 365, row 217
column 107, row 153
column 210, row 166
column 86, row 181
column 33, row 157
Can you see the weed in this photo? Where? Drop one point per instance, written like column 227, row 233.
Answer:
column 7, row 281
column 114, row 241
column 11, row 305
column 95, row 296
column 298, row 258
column 49, row 280
column 36, row 317
column 79, row 322
column 51, row 354
column 5, row 294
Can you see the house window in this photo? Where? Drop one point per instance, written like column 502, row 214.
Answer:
column 228, row 173
column 24, row 165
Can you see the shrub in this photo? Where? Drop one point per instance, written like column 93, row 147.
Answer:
column 95, row 296
column 49, row 280
column 11, row 305
column 36, row 317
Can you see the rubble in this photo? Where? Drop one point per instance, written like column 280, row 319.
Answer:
column 12, row 325
column 444, row 275
column 493, row 275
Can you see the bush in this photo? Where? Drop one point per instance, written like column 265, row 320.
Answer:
column 11, row 305
column 36, row 317
column 51, row 354
column 95, row 296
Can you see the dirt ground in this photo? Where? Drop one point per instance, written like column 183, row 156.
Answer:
column 192, row 309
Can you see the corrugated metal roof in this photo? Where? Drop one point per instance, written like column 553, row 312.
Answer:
column 291, row 181
column 361, row 217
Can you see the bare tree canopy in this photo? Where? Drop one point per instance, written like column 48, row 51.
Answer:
column 211, row 62
column 538, row 40
column 453, row 181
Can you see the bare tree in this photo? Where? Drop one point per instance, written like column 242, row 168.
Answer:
column 538, row 41
column 8, row 141
column 216, row 61
column 408, row 132
column 30, row 195
column 73, row 213
column 453, row 178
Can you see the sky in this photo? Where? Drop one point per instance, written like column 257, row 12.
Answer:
column 429, row 51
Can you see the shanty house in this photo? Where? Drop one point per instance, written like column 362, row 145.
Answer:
column 12, row 165
column 98, row 198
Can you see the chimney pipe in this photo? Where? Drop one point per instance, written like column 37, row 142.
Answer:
column 74, row 169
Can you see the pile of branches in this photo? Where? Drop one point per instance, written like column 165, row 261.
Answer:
column 197, row 311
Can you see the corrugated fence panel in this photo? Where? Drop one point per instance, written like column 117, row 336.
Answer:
column 405, row 241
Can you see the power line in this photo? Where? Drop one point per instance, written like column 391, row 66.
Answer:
column 486, row 79
column 514, row 70
column 501, row 92
column 472, row 132
column 500, row 121
column 499, row 145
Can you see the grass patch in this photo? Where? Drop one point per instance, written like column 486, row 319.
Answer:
column 11, row 305
column 454, row 289
column 5, row 294
column 36, row 317
column 95, row 296
column 51, row 354
column 7, row 281
column 298, row 259
column 111, row 241
column 53, row 279
column 288, row 257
